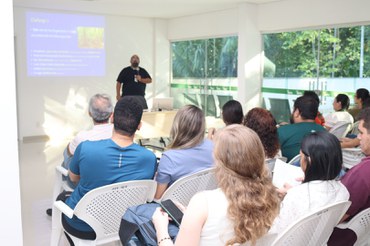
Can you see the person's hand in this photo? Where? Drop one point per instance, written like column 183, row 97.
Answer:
column 118, row 97
column 282, row 191
column 160, row 220
column 138, row 78
column 211, row 133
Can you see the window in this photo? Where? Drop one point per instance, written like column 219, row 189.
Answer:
column 204, row 72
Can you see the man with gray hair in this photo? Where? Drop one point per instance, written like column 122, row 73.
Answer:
column 100, row 110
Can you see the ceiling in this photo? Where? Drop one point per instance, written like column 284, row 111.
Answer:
column 140, row 8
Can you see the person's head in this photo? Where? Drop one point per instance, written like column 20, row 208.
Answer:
column 263, row 123
column 305, row 108
column 135, row 61
column 341, row 102
column 244, row 178
column 321, row 156
column 232, row 112
column 127, row 116
column 364, row 130
column 100, row 108
column 361, row 95
column 313, row 95
column 188, row 128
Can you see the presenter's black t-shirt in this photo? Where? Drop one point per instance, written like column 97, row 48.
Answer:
column 129, row 86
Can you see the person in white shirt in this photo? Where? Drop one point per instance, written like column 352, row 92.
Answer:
column 340, row 105
column 321, row 162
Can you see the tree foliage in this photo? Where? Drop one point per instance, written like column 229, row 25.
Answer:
column 332, row 52
column 206, row 58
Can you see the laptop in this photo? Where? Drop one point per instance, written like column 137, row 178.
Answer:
column 165, row 103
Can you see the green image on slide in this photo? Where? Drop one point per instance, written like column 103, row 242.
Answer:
column 90, row 37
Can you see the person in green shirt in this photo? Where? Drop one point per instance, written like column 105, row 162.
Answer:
column 303, row 117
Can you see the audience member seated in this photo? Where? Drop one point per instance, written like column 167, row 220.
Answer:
column 357, row 182
column 360, row 97
column 99, row 163
column 244, row 206
column 351, row 140
column 321, row 162
column 319, row 117
column 340, row 105
column 303, row 117
column 100, row 110
column 263, row 123
column 232, row 113
column 188, row 151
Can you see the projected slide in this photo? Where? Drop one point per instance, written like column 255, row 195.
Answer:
column 65, row 45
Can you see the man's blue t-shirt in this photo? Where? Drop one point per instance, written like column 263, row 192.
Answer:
column 102, row 163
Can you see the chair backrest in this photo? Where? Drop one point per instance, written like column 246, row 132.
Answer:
column 352, row 157
column 186, row 187
column 360, row 224
column 315, row 228
column 340, row 129
column 103, row 207
column 295, row 159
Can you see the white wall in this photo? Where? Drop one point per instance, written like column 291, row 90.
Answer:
column 298, row 14
column 10, row 222
column 50, row 105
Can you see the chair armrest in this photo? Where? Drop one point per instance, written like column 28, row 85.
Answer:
column 64, row 208
column 352, row 149
column 343, row 225
column 62, row 170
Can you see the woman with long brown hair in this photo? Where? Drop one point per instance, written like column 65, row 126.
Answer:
column 244, row 206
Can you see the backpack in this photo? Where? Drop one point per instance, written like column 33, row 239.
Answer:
column 137, row 221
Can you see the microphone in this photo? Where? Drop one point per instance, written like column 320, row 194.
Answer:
column 137, row 73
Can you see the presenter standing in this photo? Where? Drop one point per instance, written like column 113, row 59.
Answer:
column 132, row 81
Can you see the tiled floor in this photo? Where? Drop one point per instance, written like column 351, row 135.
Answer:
column 38, row 160
column 37, row 164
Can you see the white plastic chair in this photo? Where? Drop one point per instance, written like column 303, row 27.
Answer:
column 315, row 228
column 340, row 129
column 360, row 224
column 186, row 187
column 295, row 159
column 60, row 183
column 351, row 157
column 102, row 209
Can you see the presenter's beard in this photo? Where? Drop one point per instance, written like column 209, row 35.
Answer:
column 135, row 64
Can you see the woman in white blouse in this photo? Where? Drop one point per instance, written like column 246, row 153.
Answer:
column 244, row 206
column 340, row 105
column 321, row 162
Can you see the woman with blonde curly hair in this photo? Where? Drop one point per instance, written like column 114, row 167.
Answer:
column 244, row 206
column 188, row 151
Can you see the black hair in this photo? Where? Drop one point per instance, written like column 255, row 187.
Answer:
column 362, row 94
column 344, row 101
column 365, row 116
column 232, row 112
column 313, row 95
column 323, row 156
column 307, row 107
column 127, row 115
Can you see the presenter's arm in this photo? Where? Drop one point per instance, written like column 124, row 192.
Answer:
column 118, row 90
column 144, row 80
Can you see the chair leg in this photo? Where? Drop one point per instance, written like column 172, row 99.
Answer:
column 56, row 227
